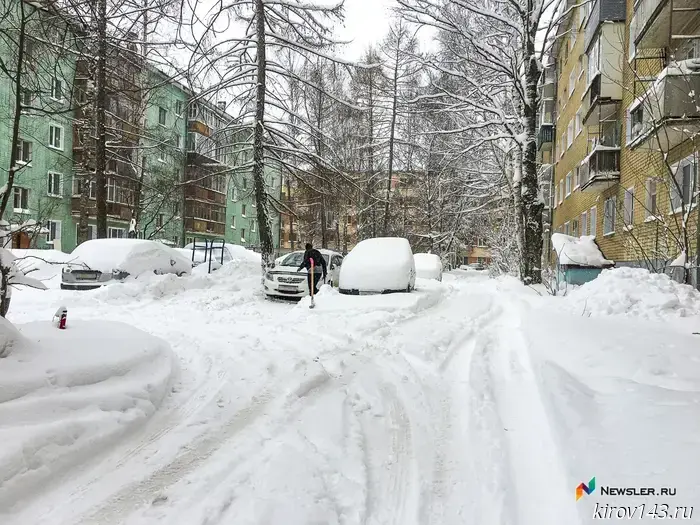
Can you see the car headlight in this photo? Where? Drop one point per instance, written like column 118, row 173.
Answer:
column 269, row 277
column 66, row 269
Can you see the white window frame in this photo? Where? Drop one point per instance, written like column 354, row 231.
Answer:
column 693, row 185
column 579, row 122
column 20, row 145
column 111, row 230
column 252, row 226
column 577, row 177
column 584, row 223
column 570, row 134
column 164, row 112
column 56, row 82
column 50, row 176
column 179, row 107
column 628, row 208
column 52, row 136
column 609, row 212
column 57, row 231
column 92, row 231
column 572, row 82
column 243, row 235
column 243, row 210
column 233, row 222
column 568, row 179
column 593, row 221
column 234, row 193
column 651, row 209
column 567, row 228
column 19, row 189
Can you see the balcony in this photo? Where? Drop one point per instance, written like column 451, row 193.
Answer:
column 669, row 113
column 602, row 11
column 545, row 137
column 601, row 169
column 656, row 23
column 548, row 85
column 600, row 108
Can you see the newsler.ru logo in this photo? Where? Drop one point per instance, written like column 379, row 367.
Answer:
column 637, row 491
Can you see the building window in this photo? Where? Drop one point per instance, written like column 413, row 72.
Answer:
column 593, row 59
column 161, row 116
column 56, row 136
column 245, row 183
column 568, row 184
column 243, row 210
column 116, row 233
column 242, row 235
column 178, row 142
column 233, row 222
column 609, row 216
column 252, row 227
column 56, row 89
column 577, row 177
column 635, row 122
column 27, row 97
column 234, row 193
column 21, row 199
column 92, row 231
column 24, row 152
column 629, row 207
column 570, row 134
column 567, row 228
column 561, row 191
column 651, row 206
column 54, row 231
column 574, row 228
column 584, row 223
column 683, row 185
column 579, row 125
column 179, row 105
column 572, row 82
column 593, row 216
column 55, row 184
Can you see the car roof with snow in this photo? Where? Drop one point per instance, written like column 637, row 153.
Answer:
column 132, row 256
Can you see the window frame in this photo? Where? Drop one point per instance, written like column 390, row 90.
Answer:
column 628, row 208
column 56, row 83
column 20, row 145
column 593, row 221
column 568, row 179
column 52, row 135
column 584, row 223
column 57, row 229
column 20, row 190
column 111, row 229
column 609, row 212
column 50, row 175
column 691, row 162
column 162, row 116
column 651, row 209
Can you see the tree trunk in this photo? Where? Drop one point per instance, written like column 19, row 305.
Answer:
column 84, row 212
column 392, row 131
column 266, row 244
column 17, row 114
column 531, row 207
column 291, row 214
column 140, row 160
column 100, row 118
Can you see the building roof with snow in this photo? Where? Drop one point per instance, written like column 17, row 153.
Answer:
column 579, row 251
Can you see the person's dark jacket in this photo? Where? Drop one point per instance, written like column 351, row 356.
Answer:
column 319, row 261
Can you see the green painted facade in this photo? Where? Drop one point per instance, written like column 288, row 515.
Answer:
column 44, row 187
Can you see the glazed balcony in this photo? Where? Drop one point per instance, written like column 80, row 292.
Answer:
column 601, row 169
column 602, row 11
column 669, row 113
column 545, row 137
column 656, row 23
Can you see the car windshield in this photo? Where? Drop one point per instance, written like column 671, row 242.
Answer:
column 295, row 259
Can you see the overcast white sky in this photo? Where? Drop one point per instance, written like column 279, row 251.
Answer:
column 366, row 22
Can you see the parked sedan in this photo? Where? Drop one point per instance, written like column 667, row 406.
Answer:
column 101, row 261
column 428, row 266
column 380, row 265
column 283, row 280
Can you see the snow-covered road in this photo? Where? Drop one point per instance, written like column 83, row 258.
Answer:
column 455, row 404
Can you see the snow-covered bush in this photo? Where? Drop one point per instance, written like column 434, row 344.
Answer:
column 10, row 338
column 11, row 276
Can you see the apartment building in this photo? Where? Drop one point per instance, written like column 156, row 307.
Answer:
column 625, row 137
column 174, row 160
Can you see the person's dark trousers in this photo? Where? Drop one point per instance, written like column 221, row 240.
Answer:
column 318, row 277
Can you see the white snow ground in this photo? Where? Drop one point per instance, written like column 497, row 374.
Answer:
column 471, row 401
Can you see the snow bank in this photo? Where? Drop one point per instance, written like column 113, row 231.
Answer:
column 133, row 256
column 65, row 394
column 376, row 265
column 635, row 292
column 10, row 338
column 578, row 251
column 428, row 266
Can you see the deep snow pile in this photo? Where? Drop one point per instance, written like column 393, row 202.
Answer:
column 382, row 263
column 578, row 251
column 635, row 292
column 44, row 265
column 65, row 394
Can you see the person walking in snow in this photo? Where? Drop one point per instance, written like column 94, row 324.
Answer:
column 312, row 253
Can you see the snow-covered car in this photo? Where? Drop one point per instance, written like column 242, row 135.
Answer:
column 200, row 254
column 379, row 265
column 283, row 280
column 100, row 261
column 428, row 266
